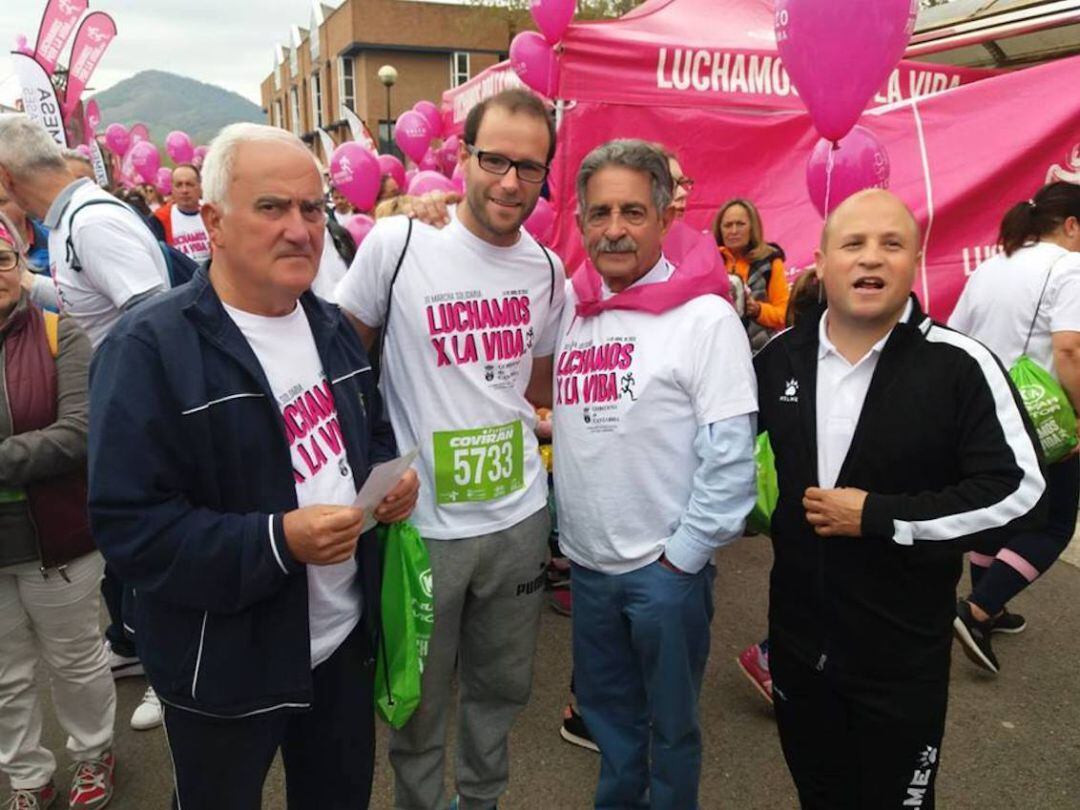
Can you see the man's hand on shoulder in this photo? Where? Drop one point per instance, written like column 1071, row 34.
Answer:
column 323, row 535
column 432, row 208
column 835, row 512
column 401, row 501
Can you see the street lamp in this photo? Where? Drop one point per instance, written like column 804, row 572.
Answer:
column 388, row 75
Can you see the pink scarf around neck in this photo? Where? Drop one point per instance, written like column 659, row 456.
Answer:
column 698, row 270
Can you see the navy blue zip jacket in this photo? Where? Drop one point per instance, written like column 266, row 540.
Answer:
column 190, row 475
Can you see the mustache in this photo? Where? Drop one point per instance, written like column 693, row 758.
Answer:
column 623, row 244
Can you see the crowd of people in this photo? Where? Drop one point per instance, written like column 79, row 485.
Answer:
column 196, row 388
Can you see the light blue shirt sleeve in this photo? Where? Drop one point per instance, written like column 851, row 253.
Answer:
column 723, row 492
column 43, row 292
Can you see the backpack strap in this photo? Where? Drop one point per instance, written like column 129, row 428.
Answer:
column 390, row 294
column 69, row 245
column 1038, row 304
column 52, row 331
column 551, row 267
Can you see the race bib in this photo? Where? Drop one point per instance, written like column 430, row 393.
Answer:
column 479, row 465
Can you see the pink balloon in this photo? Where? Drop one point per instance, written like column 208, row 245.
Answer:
column 117, row 139
column 390, row 165
column 448, row 155
column 145, row 160
column 533, row 60
column 179, row 146
column 552, row 17
column 140, row 132
column 838, row 53
column 858, row 162
column 458, row 179
column 429, row 181
column 355, row 172
column 431, row 115
column 199, row 156
column 412, row 133
column 429, row 162
column 539, row 222
column 163, row 181
column 409, row 175
column 359, row 227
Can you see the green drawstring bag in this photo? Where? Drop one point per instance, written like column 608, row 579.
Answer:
column 768, row 492
column 1044, row 399
column 408, row 614
column 1048, row 406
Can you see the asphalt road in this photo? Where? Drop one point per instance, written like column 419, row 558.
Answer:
column 1012, row 741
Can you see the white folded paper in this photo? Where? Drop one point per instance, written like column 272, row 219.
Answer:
column 382, row 478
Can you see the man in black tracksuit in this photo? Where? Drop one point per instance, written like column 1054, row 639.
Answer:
column 895, row 439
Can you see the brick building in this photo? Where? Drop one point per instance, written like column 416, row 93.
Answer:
column 335, row 61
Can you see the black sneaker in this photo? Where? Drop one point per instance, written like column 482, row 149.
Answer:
column 1006, row 622
column 974, row 637
column 575, row 732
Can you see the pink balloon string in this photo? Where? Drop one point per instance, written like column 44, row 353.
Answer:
column 828, row 176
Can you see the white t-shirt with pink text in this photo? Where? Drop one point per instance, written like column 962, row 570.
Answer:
column 189, row 235
column 632, row 389
column 286, row 351
column 467, row 319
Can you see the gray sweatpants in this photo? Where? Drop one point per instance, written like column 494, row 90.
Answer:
column 488, row 594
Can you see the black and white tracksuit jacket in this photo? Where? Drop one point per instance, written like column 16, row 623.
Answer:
column 949, row 457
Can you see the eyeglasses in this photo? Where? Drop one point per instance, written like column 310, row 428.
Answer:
column 9, row 260
column 528, row 171
column 685, row 182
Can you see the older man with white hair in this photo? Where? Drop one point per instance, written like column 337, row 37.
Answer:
column 232, row 421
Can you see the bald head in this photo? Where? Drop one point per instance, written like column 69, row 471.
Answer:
column 866, row 201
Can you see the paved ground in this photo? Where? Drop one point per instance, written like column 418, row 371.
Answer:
column 1011, row 741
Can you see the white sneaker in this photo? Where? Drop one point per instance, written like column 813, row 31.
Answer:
column 147, row 715
column 121, row 665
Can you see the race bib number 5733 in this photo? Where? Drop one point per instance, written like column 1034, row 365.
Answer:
column 479, row 465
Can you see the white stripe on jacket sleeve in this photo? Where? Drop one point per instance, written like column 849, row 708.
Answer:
column 1032, row 484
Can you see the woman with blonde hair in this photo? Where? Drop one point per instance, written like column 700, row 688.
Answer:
column 758, row 264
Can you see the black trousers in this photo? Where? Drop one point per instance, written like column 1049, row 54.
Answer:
column 118, row 600
column 858, row 744
column 328, row 751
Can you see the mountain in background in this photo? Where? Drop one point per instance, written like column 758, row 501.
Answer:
column 165, row 101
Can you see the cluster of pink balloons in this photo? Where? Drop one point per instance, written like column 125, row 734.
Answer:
column 836, row 82
column 140, row 160
column 532, row 54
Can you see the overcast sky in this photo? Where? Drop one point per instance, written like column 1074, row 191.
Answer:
column 229, row 43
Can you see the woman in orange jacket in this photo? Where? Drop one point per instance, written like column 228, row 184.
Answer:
column 760, row 264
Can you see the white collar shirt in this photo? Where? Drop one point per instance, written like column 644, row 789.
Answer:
column 841, row 392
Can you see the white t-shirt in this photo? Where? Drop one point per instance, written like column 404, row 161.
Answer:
column 189, row 234
column 286, row 351
column 466, row 321
column 999, row 300
column 631, row 391
column 120, row 258
column 332, row 269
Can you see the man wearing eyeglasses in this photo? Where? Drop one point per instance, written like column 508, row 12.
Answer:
column 469, row 316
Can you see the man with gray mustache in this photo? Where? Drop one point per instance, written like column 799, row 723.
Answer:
column 654, row 386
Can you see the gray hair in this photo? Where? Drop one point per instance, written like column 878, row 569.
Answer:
column 634, row 154
column 217, row 169
column 77, row 156
column 26, row 148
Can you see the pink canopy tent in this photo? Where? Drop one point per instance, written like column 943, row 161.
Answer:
column 964, row 144
column 719, row 97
